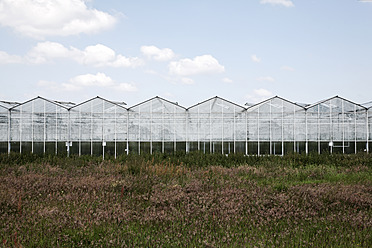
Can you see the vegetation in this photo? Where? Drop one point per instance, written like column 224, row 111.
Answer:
column 194, row 200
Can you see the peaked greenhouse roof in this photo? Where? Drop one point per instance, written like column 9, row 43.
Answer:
column 215, row 99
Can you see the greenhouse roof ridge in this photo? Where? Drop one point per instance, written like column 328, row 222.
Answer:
column 275, row 97
column 216, row 97
column 101, row 98
column 157, row 97
column 42, row 98
column 344, row 99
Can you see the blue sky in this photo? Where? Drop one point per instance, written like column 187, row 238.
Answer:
column 186, row 51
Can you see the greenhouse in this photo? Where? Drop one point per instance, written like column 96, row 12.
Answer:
column 101, row 127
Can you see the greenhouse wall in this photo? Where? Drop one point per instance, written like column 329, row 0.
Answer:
column 101, row 127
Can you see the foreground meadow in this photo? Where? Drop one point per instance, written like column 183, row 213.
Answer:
column 192, row 200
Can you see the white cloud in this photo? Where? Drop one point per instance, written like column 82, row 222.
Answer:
column 158, row 54
column 6, row 58
column 287, row 68
column 199, row 65
column 227, row 80
column 259, row 95
column 98, row 55
column 41, row 18
column 255, row 58
column 186, row 80
column 286, row 3
column 267, row 79
column 78, row 83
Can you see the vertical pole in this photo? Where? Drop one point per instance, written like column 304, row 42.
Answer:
column 115, row 136
column 318, row 129
column 69, row 134
column 162, row 128
column 294, row 128
column 246, row 132
column 20, row 129
column 9, row 129
column 282, row 128
column 355, row 129
column 32, row 127
column 91, row 128
column 139, row 129
column 44, row 127
column 187, row 132
column 306, row 131
column 151, row 127
column 331, row 124
column 56, row 145
column 270, row 131
column 128, row 131
column 223, row 126
column 210, row 127
column 198, row 130
column 79, row 130
column 234, row 130
column 367, row 126
column 343, row 127
column 174, row 129
column 258, row 131
column 103, row 129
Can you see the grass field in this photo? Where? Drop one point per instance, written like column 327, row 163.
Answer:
column 187, row 200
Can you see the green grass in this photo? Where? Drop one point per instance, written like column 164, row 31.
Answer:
column 187, row 200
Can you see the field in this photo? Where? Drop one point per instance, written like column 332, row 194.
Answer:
column 193, row 200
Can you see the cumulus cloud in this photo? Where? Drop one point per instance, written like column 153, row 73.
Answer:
column 255, row 58
column 42, row 18
column 6, row 58
column 259, row 95
column 152, row 52
column 267, row 79
column 227, row 80
column 285, row 3
column 99, row 80
column 98, row 55
column 204, row 64
column 186, row 80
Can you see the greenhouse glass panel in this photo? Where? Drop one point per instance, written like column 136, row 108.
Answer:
column 337, row 125
column 276, row 126
column 217, row 126
column 4, row 131
column 157, row 125
column 39, row 126
column 99, row 127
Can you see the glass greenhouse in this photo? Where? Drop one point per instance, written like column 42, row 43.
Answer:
column 101, row 127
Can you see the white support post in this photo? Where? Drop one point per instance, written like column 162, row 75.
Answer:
column 367, row 136
column 198, row 130
column 9, row 129
column 282, row 128
column 91, row 128
column 20, row 130
column 79, row 130
column 258, row 131
column 210, row 128
column 56, row 144
column 343, row 127
column 103, row 130
column 318, row 129
column 355, row 130
column 115, row 136
column 331, row 124
column 174, row 129
column 246, row 132
column 162, row 128
column 139, row 129
column 32, row 127
column 151, row 127
column 44, row 128
column 294, row 128
column 270, row 131
column 128, row 132
column 306, row 138
column 234, row 123
column 223, row 126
